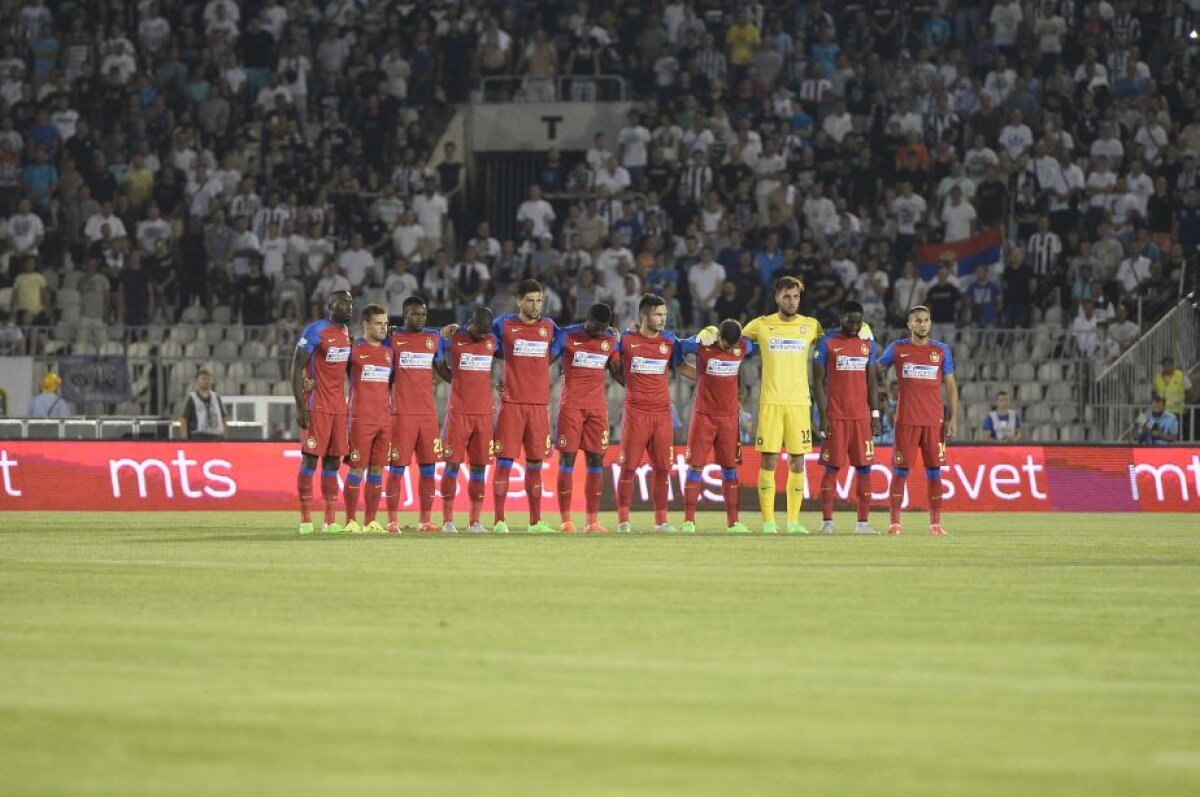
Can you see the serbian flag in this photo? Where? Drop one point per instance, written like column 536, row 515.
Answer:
column 983, row 249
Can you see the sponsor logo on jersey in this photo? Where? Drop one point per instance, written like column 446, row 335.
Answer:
column 722, row 367
column 415, row 359
column 429, row 344
column 920, row 371
column 530, row 348
column 847, row 363
column 337, row 354
column 604, row 345
column 375, row 373
column 542, row 331
column 647, row 365
column 475, row 362
column 933, row 357
column 587, row 359
column 787, row 345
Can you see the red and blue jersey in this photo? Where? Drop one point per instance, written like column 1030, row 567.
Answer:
column 585, row 362
column 328, row 346
column 717, row 370
column 920, row 370
column 646, row 363
column 847, row 362
column 414, row 354
column 470, row 364
column 370, row 383
column 525, row 348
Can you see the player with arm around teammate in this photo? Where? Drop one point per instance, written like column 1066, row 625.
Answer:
column 713, row 431
column 587, row 352
column 322, row 355
column 845, row 386
column 923, row 366
column 647, row 356
column 370, row 419
column 418, row 353
column 523, row 341
column 468, row 430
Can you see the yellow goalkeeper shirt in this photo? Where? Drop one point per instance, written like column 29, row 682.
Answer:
column 786, row 348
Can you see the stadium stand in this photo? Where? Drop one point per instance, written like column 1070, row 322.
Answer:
column 191, row 178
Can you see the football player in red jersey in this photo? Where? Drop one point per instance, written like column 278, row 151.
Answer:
column 647, row 356
column 922, row 365
column 468, row 432
column 370, row 422
column 418, row 353
column 716, row 411
column 845, row 386
column 322, row 355
column 525, row 340
column 588, row 352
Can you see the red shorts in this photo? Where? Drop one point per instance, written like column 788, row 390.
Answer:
column 469, row 435
column 326, row 436
column 523, row 426
column 415, row 435
column 929, row 440
column 850, row 441
column 370, row 445
column 646, row 432
column 713, row 439
column 585, row 429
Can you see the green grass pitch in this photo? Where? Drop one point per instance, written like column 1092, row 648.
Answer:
column 219, row 653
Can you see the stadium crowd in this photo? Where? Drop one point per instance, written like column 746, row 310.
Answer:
column 165, row 160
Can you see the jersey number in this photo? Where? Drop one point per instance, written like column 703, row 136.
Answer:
column 869, row 448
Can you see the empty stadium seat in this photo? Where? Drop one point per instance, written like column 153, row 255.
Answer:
column 1060, row 391
column 1039, row 413
column 226, row 350
column 1049, row 372
column 1022, row 372
column 197, row 350
column 254, row 350
column 1065, row 414
column 221, row 314
column 1029, row 391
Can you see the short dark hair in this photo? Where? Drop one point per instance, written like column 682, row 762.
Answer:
column 650, row 301
column 787, row 283
column 731, row 331
column 916, row 308
column 600, row 313
column 851, row 306
column 372, row 310
column 526, row 287
column 412, row 301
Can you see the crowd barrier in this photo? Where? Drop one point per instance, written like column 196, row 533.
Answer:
column 262, row 476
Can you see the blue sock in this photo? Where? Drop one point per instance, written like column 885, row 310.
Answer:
column 728, row 474
column 397, row 470
column 693, row 476
column 933, row 474
column 902, row 472
column 426, row 470
column 375, row 478
column 864, row 470
column 476, row 476
column 591, row 469
column 567, row 469
column 307, row 471
column 354, row 480
column 452, row 471
column 327, row 472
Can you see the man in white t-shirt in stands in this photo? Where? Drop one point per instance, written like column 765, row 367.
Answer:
column 958, row 216
column 431, row 209
column 537, row 210
column 356, row 263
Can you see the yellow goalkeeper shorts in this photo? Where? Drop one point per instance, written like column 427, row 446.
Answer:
column 783, row 426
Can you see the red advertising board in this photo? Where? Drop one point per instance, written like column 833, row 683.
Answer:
column 249, row 476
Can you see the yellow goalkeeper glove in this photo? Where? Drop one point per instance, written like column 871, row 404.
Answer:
column 708, row 336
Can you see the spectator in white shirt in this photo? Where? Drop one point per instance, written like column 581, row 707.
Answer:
column 26, row 230
column 537, row 210
column 332, row 280
column 431, row 209
column 91, row 229
column 356, row 263
column 613, row 178
column 1083, row 329
column 633, row 140
column 958, row 216
column 398, row 286
column 705, row 279
column 1016, row 137
column 407, row 237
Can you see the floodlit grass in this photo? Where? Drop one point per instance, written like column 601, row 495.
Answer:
column 156, row 654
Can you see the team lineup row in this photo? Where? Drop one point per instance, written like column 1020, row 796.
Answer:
column 388, row 416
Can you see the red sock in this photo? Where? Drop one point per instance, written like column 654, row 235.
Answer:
column 425, row 490
column 595, row 486
column 533, row 491
column 476, row 489
column 449, row 490
column 395, row 489
column 897, row 495
column 329, row 492
column 624, row 495
column 350, row 496
column 933, row 490
column 828, row 492
column 691, row 495
column 304, row 481
column 371, row 496
column 863, row 494
column 662, row 489
column 565, row 488
column 732, row 492
column 500, row 486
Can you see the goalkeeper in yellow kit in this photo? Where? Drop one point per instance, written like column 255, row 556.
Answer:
column 785, row 342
